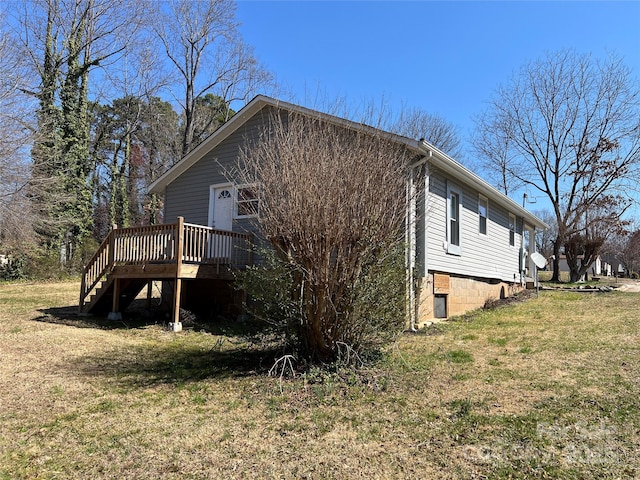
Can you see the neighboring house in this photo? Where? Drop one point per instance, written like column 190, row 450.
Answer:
column 613, row 265
column 464, row 238
column 603, row 265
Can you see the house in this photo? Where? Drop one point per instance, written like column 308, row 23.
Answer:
column 605, row 265
column 610, row 265
column 601, row 267
column 466, row 242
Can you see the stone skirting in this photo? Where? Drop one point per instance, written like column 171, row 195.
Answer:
column 460, row 294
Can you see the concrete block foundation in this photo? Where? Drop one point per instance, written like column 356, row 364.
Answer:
column 444, row 295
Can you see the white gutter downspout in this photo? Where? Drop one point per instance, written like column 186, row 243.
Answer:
column 411, row 241
column 411, row 249
column 523, row 279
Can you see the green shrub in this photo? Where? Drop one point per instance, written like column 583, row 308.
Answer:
column 81, row 256
column 16, row 269
column 377, row 311
column 269, row 288
column 44, row 263
column 379, row 303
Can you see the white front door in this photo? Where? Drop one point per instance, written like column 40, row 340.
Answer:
column 221, row 218
column 221, row 208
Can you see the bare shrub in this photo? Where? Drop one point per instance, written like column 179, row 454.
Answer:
column 491, row 303
column 332, row 206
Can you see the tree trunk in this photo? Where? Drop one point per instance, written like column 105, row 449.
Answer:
column 556, row 260
column 189, row 113
column 578, row 272
column 317, row 343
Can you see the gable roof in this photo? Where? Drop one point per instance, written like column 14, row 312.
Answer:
column 426, row 152
column 240, row 118
column 459, row 172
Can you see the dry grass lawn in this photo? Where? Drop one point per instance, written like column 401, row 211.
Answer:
column 547, row 388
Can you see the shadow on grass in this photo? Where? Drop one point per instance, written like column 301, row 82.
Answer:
column 138, row 316
column 71, row 317
column 221, row 348
column 178, row 364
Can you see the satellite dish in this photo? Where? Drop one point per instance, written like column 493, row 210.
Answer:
column 538, row 259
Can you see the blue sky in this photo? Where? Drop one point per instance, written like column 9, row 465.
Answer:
column 444, row 57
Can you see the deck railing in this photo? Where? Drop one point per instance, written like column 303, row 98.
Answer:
column 169, row 243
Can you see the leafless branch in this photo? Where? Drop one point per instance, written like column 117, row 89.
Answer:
column 332, row 204
column 567, row 126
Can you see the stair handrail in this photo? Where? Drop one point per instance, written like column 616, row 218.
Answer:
column 94, row 270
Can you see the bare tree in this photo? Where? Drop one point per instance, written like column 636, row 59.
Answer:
column 625, row 247
column 496, row 155
column 418, row 124
column 545, row 238
column 65, row 41
column 202, row 41
column 583, row 247
column 567, row 126
column 332, row 205
column 629, row 256
column 16, row 111
column 133, row 141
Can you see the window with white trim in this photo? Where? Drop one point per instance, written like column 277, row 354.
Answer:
column 247, row 201
column 454, row 227
column 512, row 230
column 483, row 213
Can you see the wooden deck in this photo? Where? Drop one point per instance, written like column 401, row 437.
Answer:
column 130, row 258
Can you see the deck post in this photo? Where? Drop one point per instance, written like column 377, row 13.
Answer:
column 179, row 245
column 176, row 325
column 149, row 293
column 83, row 286
column 115, row 314
column 112, row 246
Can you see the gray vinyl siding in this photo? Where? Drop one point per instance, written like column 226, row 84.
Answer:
column 188, row 195
column 483, row 256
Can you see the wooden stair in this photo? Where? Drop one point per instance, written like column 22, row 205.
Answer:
column 101, row 301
